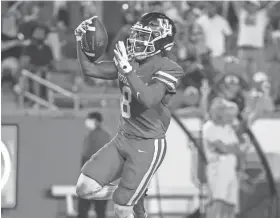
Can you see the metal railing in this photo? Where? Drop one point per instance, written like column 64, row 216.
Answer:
column 153, row 202
column 51, row 89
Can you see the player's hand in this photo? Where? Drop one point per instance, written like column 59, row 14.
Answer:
column 121, row 58
column 82, row 28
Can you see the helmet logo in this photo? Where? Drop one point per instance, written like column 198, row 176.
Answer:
column 167, row 27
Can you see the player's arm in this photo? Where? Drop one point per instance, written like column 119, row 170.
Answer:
column 164, row 81
column 101, row 70
column 150, row 95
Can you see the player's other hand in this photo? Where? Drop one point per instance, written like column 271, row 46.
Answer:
column 82, row 28
column 121, row 58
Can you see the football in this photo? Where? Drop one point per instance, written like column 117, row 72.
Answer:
column 95, row 40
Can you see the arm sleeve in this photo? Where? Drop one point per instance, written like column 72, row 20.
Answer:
column 147, row 95
column 170, row 78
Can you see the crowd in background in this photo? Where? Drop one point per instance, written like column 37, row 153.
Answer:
column 230, row 49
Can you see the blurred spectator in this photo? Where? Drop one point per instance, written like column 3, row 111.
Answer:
column 186, row 52
column 217, row 32
column 223, row 149
column 198, row 54
column 130, row 16
column 9, row 71
column 10, row 46
column 210, row 73
column 68, row 44
column 191, row 52
column 259, row 98
column 38, row 58
column 194, row 87
column 75, row 11
column 174, row 11
column 195, row 31
column 45, row 12
column 89, row 9
column 9, row 24
column 38, row 54
column 231, row 87
column 273, row 63
column 26, row 28
column 183, row 50
column 113, row 22
column 10, row 42
column 188, row 94
column 31, row 11
column 187, row 40
column 191, row 84
column 61, row 14
column 153, row 6
column 54, row 42
column 253, row 22
column 96, row 138
column 276, row 35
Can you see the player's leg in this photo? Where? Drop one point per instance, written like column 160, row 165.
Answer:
column 143, row 159
column 139, row 208
column 102, row 168
column 100, row 208
column 89, row 188
column 83, row 208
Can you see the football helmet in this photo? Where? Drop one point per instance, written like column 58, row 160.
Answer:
column 153, row 33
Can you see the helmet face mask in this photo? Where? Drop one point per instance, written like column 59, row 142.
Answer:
column 149, row 36
column 140, row 44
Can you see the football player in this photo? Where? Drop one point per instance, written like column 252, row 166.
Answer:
column 147, row 81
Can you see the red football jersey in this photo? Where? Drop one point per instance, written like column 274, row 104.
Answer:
column 136, row 119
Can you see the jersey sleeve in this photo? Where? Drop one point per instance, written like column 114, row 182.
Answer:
column 170, row 77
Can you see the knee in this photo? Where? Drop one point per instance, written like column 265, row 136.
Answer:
column 87, row 187
column 123, row 211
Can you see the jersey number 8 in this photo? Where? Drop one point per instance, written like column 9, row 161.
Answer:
column 125, row 102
